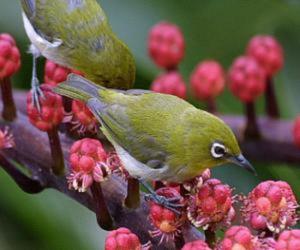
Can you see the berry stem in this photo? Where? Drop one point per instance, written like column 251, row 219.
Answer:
column 211, row 105
column 9, row 112
column 272, row 108
column 179, row 241
column 58, row 165
column 103, row 216
column 133, row 193
column 27, row 184
column 252, row 130
column 210, row 237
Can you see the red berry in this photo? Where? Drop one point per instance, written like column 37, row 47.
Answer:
column 166, row 45
column 52, row 110
column 10, row 61
column 55, row 73
column 247, row 79
column 82, row 118
column 271, row 205
column 196, row 245
column 122, row 239
column 289, row 240
column 238, row 238
column 88, row 164
column 211, row 205
column 296, row 131
column 166, row 222
column 208, row 80
column 193, row 185
column 267, row 52
column 170, row 83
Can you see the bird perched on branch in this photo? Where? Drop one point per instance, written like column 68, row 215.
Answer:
column 157, row 136
column 76, row 34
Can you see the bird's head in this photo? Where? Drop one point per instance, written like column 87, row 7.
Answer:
column 214, row 143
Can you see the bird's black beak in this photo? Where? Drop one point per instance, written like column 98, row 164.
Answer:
column 241, row 161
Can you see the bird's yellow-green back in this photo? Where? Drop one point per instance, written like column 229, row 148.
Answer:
column 88, row 42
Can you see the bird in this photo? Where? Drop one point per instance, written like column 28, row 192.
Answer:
column 77, row 34
column 158, row 137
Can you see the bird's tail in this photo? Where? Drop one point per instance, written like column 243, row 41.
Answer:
column 77, row 87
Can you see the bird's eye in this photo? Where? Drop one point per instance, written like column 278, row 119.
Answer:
column 217, row 150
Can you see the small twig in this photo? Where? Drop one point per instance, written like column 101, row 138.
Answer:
column 58, row 165
column 272, row 108
column 9, row 112
column 210, row 236
column 103, row 217
column 251, row 130
column 133, row 193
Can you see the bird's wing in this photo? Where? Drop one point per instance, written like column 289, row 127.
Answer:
column 117, row 127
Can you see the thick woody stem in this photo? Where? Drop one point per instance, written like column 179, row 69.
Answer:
column 9, row 112
column 251, row 130
column 103, row 216
column 133, row 193
column 210, row 237
column 58, row 165
column 272, row 108
column 211, row 105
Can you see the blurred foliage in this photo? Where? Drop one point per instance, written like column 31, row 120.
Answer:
column 213, row 29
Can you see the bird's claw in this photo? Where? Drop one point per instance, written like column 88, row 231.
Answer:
column 37, row 94
column 169, row 203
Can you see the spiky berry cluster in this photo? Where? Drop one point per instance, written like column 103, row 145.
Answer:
column 10, row 61
column 52, row 110
column 88, row 162
column 54, row 73
column 211, row 205
column 271, row 205
column 170, row 83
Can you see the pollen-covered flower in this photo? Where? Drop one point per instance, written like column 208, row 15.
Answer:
column 193, row 185
column 88, row 162
column 166, row 222
column 211, row 205
column 52, row 110
column 196, row 245
column 166, row 45
column 170, row 83
column 271, row 205
column 122, row 239
column 6, row 139
column 208, row 80
column 268, row 52
column 288, row 240
column 247, row 79
column 10, row 60
column 55, row 73
column 82, row 118
column 238, row 238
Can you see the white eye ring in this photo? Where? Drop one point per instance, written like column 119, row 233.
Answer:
column 216, row 146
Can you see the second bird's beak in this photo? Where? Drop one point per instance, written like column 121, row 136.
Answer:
column 241, row 161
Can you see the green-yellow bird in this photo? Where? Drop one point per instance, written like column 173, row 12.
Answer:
column 157, row 136
column 77, row 34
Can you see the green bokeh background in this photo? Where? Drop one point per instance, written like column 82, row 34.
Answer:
column 213, row 29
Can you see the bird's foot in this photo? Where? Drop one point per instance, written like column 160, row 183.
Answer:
column 36, row 93
column 172, row 204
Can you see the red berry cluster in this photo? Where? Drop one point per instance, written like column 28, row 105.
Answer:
column 88, row 163
column 271, row 206
column 10, row 61
column 166, row 47
column 52, row 110
column 55, row 74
